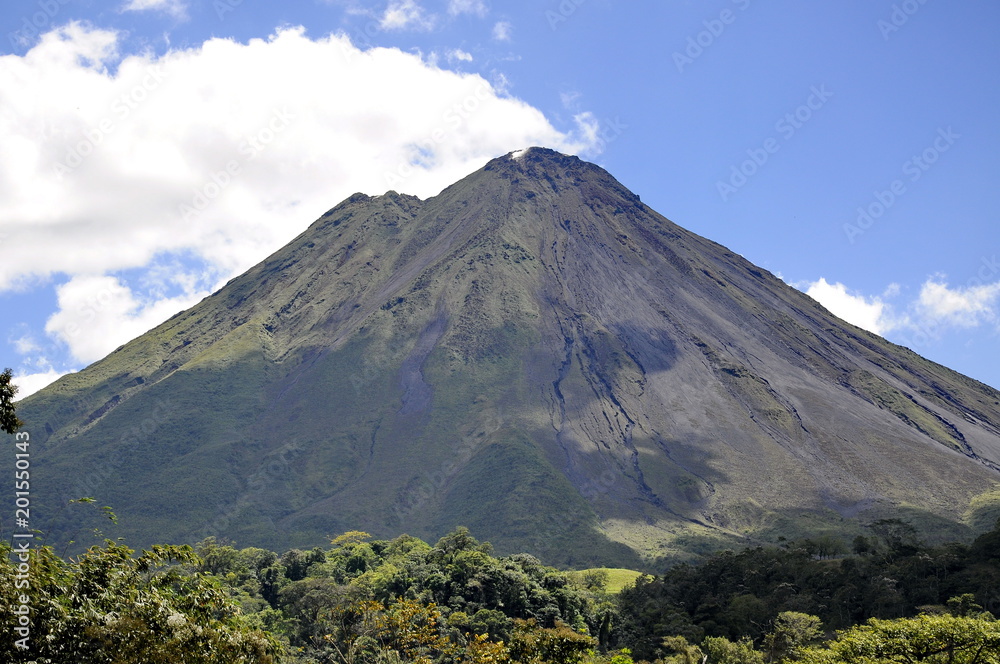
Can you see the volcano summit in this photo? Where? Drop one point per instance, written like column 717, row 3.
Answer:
column 534, row 354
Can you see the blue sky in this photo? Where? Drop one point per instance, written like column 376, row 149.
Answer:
column 152, row 149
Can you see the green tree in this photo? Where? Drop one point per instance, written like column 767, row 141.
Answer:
column 623, row 656
column 986, row 548
column 362, row 631
column 595, row 579
column 112, row 606
column 721, row 650
column 964, row 605
column 745, row 613
column 405, row 628
column 682, row 652
column 8, row 390
column 935, row 639
column 897, row 537
column 483, row 651
column 532, row 644
column 460, row 540
column 792, row 632
column 318, row 606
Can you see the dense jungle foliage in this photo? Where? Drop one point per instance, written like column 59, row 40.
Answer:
column 359, row 601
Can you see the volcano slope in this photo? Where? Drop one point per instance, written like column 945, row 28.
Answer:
column 534, row 354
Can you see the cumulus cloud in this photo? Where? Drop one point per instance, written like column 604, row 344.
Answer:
column 219, row 153
column 936, row 310
column 963, row 306
column 99, row 313
column 28, row 384
column 227, row 150
column 869, row 313
column 503, row 31
column 406, row 15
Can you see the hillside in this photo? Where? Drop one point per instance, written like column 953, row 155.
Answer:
column 534, row 354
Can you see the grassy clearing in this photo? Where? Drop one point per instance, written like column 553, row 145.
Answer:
column 617, row 578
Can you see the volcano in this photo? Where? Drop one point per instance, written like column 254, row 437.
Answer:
column 534, row 354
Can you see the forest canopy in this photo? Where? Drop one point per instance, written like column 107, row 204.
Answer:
column 362, row 600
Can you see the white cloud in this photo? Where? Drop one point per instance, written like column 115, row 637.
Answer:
column 175, row 8
column 244, row 135
column 28, row 384
column 222, row 152
column 458, row 55
column 405, row 15
column 501, row 84
column 477, row 7
column 35, row 371
column 503, row 31
column 590, row 129
column 962, row 307
column 937, row 309
column 869, row 313
column 25, row 345
column 99, row 313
